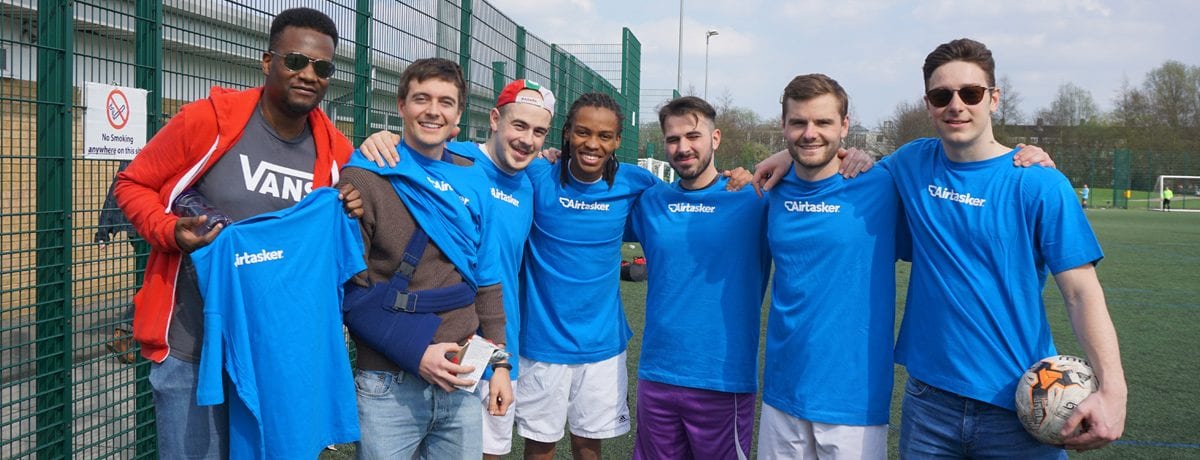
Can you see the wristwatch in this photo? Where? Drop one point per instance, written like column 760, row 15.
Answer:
column 502, row 366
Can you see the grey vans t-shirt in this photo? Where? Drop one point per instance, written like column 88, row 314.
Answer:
column 261, row 173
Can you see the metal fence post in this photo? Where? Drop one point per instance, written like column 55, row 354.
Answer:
column 464, row 61
column 149, row 77
column 362, row 71
column 631, row 92
column 1120, row 175
column 53, row 330
column 1152, row 173
column 498, row 79
column 562, row 100
column 149, row 60
column 520, row 54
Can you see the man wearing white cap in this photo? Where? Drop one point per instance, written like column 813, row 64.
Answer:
column 519, row 124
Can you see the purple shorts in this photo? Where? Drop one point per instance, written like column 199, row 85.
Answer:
column 680, row 422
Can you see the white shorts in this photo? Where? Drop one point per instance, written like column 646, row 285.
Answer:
column 781, row 435
column 590, row 397
column 497, row 431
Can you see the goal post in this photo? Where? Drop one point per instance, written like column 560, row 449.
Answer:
column 1176, row 193
column 660, row 168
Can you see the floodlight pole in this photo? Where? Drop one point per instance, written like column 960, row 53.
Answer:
column 707, row 35
column 679, row 59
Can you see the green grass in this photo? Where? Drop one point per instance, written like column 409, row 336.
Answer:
column 1151, row 278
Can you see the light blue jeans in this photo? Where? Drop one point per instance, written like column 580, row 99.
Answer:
column 939, row 424
column 401, row 416
column 186, row 430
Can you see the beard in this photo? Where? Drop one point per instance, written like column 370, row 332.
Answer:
column 811, row 162
column 701, row 165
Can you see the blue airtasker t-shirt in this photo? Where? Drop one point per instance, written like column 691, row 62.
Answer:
column 505, row 230
column 571, row 311
column 708, row 264
column 272, row 287
column 985, row 235
column 833, row 299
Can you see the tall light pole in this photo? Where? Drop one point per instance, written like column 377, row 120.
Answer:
column 707, row 35
column 679, row 62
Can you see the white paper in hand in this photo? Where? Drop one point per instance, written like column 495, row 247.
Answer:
column 476, row 353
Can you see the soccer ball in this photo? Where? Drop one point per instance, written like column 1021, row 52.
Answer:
column 1049, row 392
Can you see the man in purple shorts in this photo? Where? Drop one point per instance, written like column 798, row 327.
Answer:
column 708, row 267
column 698, row 370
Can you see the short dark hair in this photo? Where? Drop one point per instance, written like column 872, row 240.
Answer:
column 441, row 69
column 597, row 100
column 307, row 18
column 687, row 105
column 805, row 87
column 963, row 49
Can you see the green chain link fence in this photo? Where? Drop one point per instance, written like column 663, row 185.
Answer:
column 1120, row 165
column 68, row 265
column 1126, row 178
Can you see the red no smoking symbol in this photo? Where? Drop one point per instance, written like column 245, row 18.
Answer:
column 117, row 109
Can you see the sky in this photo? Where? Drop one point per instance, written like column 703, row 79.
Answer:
column 875, row 48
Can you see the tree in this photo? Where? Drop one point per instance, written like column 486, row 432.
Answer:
column 1009, row 112
column 1172, row 93
column 1194, row 73
column 740, row 145
column 692, row 91
column 650, row 137
column 1163, row 114
column 909, row 121
column 1072, row 106
column 1130, row 108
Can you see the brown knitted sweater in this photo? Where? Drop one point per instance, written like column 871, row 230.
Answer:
column 387, row 226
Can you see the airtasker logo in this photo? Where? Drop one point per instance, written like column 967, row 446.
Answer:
column 691, row 208
column 441, row 185
column 500, row 195
column 581, row 205
column 247, row 258
column 804, row 206
column 951, row 195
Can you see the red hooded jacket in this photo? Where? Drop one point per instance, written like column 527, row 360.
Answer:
column 172, row 161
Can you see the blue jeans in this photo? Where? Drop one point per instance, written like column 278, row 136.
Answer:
column 939, row 424
column 401, row 416
column 186, row 430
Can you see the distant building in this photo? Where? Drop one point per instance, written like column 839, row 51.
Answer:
column 1038, row 133
column 869, row 140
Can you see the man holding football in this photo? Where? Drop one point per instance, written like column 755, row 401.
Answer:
column 985, row 235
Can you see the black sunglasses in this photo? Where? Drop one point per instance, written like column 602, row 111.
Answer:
column 298, row 61
column 971, row 95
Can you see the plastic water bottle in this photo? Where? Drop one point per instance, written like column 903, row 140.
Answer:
column 191, row 203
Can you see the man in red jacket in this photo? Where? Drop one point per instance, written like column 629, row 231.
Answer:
column 248, row 152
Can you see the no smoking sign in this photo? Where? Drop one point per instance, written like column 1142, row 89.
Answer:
column 114, row 126
column 117, row 107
